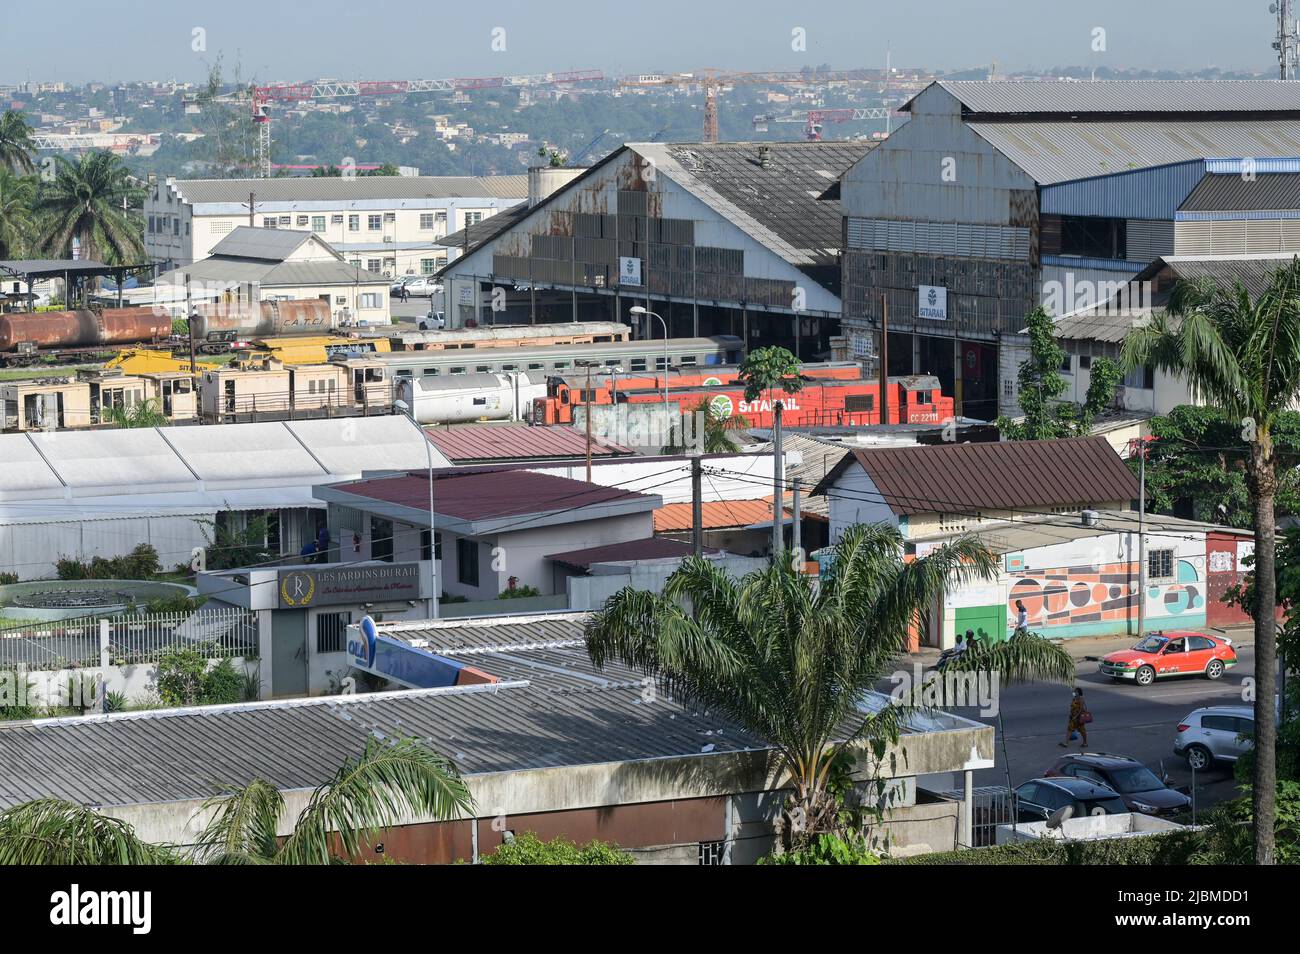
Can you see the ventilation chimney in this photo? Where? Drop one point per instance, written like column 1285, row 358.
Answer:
column 765, row 157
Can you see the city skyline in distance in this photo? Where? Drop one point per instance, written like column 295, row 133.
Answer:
column 410, row 40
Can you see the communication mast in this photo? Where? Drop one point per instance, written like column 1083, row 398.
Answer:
column 1285, row 42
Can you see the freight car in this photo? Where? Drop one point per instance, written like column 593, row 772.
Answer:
column 507, row 396
column 77, row 337
column 263, row 319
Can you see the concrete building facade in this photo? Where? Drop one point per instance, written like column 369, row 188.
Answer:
column 384, row 224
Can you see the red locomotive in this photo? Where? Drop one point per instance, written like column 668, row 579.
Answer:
column 822, row 401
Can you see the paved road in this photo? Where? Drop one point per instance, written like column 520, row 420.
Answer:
column 1128, row 721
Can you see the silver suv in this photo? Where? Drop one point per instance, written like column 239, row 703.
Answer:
column 1215, row 734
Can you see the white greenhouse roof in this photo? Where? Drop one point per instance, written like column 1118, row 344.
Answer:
column 342, row 446
column 86, row 474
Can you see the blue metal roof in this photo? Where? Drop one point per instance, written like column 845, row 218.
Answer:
column 1154, row 193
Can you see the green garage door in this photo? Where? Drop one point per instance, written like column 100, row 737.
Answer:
column 989, row 622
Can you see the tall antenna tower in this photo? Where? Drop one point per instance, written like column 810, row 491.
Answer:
column 1286, row 42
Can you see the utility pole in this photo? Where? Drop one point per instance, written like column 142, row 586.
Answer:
column 697, row 506
column 778, row 480
column 586, row 404
column 189, row 322
column 796, row 531
column 884, row 360
column 1142, row 537
column 251, row 206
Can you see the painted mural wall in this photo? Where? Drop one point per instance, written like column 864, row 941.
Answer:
column 1089, row 587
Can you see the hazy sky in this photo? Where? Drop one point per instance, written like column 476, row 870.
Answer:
column 81, row 40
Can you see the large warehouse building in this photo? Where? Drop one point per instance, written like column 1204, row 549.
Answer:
column 999, row 196
column 715, row 238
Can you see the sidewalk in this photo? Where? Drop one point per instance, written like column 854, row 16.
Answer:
column 1092, row 648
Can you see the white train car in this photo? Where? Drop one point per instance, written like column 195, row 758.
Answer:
column 463, row 398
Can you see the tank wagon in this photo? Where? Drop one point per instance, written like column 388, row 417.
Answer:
column 77, row 336
column 263, row 319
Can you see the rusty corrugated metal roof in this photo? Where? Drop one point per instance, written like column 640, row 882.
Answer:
column 1012, row 475
column 484, row 443
column 716, row 514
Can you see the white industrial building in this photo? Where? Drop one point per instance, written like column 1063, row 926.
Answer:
column 386, row 224
column 101, row 493
column 717, row 238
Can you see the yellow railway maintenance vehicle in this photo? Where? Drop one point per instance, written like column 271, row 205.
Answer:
column 314, row 349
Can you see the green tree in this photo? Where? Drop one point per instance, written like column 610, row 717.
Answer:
column 16, row 142
column 528, row 849
column 91, row 200
column 231, row 546
column 765, row 369
column 17, row 196
column 1041, row 385
column 1196, row 466
column 1241, row 354
column 784, row 658
column 370, row 792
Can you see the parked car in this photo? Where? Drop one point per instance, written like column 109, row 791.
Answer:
column 1038, row 798
column 396, row 287
column 1142, row 790
column 1215, row 734
column 422, row 286
column 433, row 321
column 1176, row 653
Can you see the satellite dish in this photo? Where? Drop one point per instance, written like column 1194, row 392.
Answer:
column 1060, row 817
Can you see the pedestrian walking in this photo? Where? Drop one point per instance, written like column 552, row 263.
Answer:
column 1022, row 617
column 1078, row 721
column 405, row 293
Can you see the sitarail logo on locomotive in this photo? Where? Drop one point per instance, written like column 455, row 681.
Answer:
column 362, row 647
column 764, row 406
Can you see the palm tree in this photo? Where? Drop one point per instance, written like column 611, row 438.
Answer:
column 147, row 413
column 16, row 198
column 713, row 438
column 50, row 831
column 371, row 792
column 1241, row 355
column 786, row 659
column 16, row 143
column 90, row 201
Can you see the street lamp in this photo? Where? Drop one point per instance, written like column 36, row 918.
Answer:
column 409, row 411
column 639, row 310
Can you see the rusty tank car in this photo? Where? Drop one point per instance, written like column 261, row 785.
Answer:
column 55, row 330
column 264, row 319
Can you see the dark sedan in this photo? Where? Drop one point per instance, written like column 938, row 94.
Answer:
column 1142, row 790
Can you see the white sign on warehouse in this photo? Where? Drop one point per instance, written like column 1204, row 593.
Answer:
column 629, row 271
column 932, row 302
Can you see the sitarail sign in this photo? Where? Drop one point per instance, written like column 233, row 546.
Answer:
column 303, row 587
column 932, row 302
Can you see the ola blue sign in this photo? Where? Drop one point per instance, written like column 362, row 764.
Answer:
column 362, row 647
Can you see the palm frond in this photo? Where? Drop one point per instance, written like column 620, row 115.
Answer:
column 390, row 780
column 1024, row 658
column 51, row 831
column 244, row 824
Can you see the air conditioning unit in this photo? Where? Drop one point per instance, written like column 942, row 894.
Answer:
column 388, row 238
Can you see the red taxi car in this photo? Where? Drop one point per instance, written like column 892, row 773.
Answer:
column 1175, row 653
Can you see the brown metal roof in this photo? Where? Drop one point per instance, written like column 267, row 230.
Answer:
column 650, row 548
column 487, row 494
column 484, row 443
column 1012, row 475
